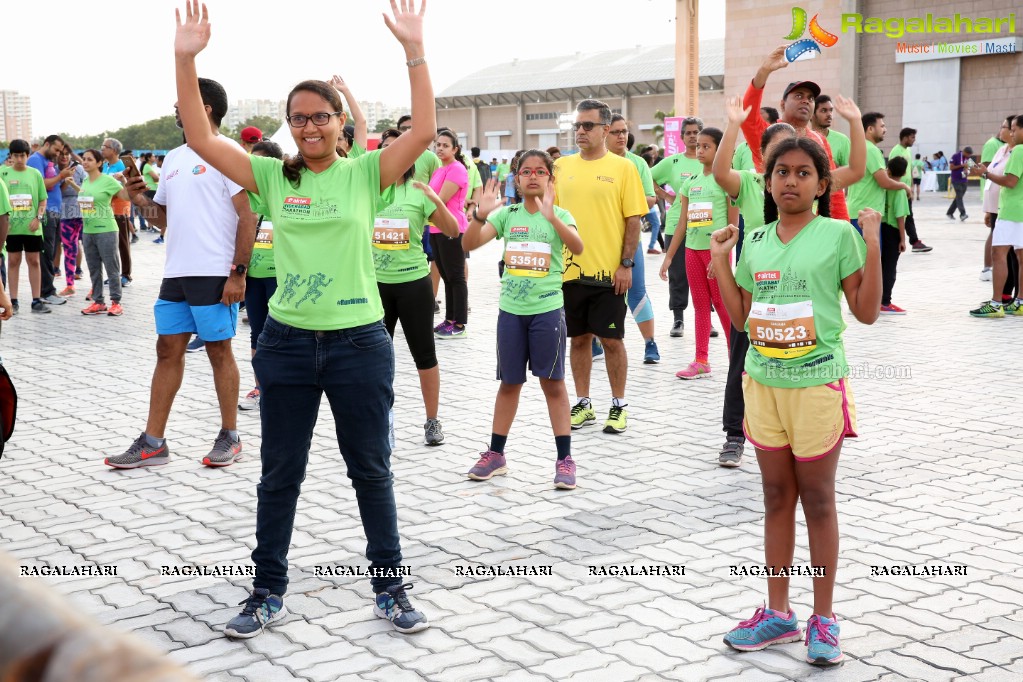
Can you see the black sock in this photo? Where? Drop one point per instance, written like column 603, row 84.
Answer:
column 564, row 444
column 498, row 442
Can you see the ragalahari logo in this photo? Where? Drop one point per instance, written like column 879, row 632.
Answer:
column 807, row 48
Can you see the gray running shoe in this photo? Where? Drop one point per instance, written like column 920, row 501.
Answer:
column 225, row 451
column 140, row 454
column 731, row 451
column 40, row 307
column 54, row 299
column 261, row 609
column 434, row 433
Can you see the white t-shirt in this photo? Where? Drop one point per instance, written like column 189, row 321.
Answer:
column 201, row 220
column 991, row 191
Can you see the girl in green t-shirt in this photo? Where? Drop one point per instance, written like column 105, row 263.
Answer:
column 324, row 334
column 403, row 276
column 705, row 207
column 787, row 291
column 531, row 322
column 100, row 233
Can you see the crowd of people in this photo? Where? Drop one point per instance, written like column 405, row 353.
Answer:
column 331, row 248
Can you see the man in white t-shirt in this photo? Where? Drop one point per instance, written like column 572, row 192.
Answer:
column 209, row 239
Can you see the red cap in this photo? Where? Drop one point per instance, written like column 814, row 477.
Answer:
column 252, row 134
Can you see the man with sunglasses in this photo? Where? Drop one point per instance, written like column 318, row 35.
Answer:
column 604, row 193
column 211, row 231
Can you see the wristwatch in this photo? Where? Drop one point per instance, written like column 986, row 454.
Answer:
column 240, row 268
column 628, row 263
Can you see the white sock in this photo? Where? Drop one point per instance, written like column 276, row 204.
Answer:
column 619, row 402
column 996, row 304
column 584, row 401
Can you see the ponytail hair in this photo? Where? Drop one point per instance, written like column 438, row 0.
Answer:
column 820, row 162
column 294, row 165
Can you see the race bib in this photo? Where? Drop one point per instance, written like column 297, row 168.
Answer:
column 264, row 236
column 391, row 234
column 528, row 259
column 782, row 331
column 701, row 214
column 21, row 202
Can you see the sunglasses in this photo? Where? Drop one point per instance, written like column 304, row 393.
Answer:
column 587, row 125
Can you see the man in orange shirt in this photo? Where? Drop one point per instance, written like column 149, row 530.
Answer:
column 112, row 165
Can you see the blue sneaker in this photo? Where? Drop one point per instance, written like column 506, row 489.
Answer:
column 822, row 641
column 765, row 628
column 393, row 604
column 650, row 355
column 158, row 240
column 598, row 350
column 261, row 609
column 195, row 345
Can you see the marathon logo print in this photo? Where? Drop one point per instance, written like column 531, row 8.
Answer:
column 520, row 230
column 297, row 206
column 769, row 276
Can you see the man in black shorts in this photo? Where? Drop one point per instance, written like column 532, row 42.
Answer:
column 604, row 193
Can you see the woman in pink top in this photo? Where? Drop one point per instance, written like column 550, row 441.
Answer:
column 451, row 183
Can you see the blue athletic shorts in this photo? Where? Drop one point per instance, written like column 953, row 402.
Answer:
column 536, row 340
column 191, row 305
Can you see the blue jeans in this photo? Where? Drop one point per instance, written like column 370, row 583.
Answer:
column 639, row 303
column 654, row 218
column 355, row 368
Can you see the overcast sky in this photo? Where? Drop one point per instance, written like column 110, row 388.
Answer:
column 109, row 64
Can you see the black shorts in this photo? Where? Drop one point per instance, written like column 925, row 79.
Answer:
column 916, row 181
column 29, row 243
column 594, row 310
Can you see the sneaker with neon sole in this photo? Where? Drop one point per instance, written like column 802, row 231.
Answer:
column 617, row 420
column 583, row 414
column 988, row 310
column 695, row 370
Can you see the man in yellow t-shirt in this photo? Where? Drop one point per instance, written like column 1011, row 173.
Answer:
column 604, row 193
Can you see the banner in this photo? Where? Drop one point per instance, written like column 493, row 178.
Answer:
column 673, row 135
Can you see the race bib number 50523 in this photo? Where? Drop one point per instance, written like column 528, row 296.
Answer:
column 782, row 331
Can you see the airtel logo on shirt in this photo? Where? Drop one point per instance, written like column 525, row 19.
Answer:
column 771, row 275
column 520, row 230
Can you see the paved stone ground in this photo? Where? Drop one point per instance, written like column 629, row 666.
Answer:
column 933, row 480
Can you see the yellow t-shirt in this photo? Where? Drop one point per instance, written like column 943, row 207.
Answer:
column 601, row 195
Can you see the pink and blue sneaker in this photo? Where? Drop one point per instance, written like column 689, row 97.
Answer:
column 822, row 644
column 765, row 628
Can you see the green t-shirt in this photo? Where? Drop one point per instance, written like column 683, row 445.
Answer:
column 474, row 178
column 742, row 158
column 356, row 151
column 26, row 191
column 397, row 240
column 426, row 164
column 1010, row 199
column 795, row 324
column 750, row 199
column 533, row 260
column 839, row 143
column 916, row 168
column 322, row 233
column 151, row 184
column 503, row 169
column 867, row 193
column 645, row 176
column 674, row 171
column 899, row 150
column 708, row 210
column 896, row 205
column 5, row 200
column 94, row 203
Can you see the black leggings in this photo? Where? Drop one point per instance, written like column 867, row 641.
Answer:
column 450, row 259
column 889, row 261
column 412, row 304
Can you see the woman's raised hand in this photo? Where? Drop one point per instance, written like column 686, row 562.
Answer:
column 407, row 24
column 193, row 35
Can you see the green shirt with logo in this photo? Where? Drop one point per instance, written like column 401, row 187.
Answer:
column 94, row 203
column 708, row 210
column 398, row 236
column 26, row 191
column 533, row 259
column 322, row 242
column 675, row 170
column 867, row 193
column 795, row 325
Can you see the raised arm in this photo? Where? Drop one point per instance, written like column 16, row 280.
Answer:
column 441, row 218
column 754, row 126
column 863, row 288
column 480, row 231
column 358, row 118
column 726, row 176
column 407, row 27
column 736, row 299
column 191, row 38
column 846, row 176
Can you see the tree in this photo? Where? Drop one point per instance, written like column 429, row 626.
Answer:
column 658, row 130
column 268, row 124
column 159, row 133
column 383, row 124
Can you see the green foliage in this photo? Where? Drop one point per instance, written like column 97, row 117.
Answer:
column 658, row 130
column 159, row 133
column 268, row 124
column 383, row 124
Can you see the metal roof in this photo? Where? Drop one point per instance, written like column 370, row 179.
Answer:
column 639, row 70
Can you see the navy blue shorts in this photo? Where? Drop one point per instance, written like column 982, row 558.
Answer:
column 534, row 340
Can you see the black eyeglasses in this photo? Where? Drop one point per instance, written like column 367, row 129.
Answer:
column 587, row 125
column 624, row 131
column 320, row 119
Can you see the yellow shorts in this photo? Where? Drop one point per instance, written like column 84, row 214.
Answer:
column 809, row 420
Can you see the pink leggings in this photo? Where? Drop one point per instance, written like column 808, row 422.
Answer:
column 703, row 292
column 70, row 232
